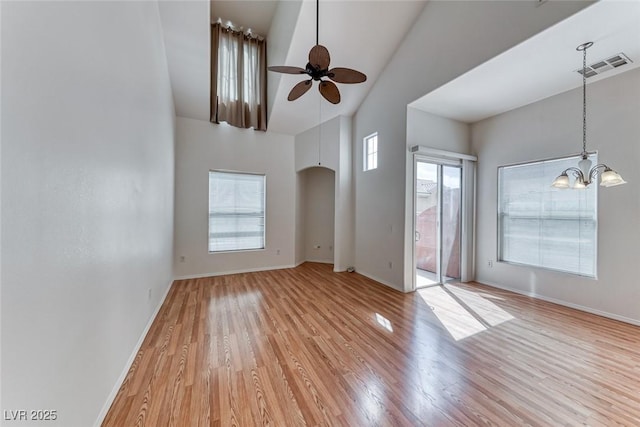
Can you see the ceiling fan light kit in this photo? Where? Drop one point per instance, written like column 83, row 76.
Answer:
column 584, row 174
column 317, row 69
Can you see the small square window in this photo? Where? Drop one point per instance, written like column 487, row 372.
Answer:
column 371, row 152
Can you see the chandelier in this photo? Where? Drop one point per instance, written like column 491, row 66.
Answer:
column 584, row 174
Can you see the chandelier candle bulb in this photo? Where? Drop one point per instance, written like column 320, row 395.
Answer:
column 562, row 181
column 579, row 184
column 609, row 178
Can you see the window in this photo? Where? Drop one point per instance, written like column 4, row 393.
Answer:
column 236, row 211
column 371, row 152
column 542, row 226
column 238, row 78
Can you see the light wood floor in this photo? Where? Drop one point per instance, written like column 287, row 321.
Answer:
column 307, row 346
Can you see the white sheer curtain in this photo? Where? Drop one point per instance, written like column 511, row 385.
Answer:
column 238, row 78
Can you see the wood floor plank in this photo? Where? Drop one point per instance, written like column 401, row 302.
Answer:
column 307, row 346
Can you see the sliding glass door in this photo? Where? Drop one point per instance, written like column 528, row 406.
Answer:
column 437, row 225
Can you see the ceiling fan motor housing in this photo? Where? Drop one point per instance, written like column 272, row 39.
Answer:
column 315, row 73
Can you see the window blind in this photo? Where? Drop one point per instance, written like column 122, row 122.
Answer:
column 236, row 211
column 542, row 226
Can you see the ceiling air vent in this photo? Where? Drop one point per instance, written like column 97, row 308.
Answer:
column 605, row 65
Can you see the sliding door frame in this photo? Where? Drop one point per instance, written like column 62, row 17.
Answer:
column 467, row 214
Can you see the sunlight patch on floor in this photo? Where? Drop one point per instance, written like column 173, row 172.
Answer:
column 487, row 310
column 425, row 278
column 384, row 322
column 463, row 313
column 455, row 318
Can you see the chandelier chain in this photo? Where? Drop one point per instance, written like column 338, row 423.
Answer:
column 584, row 101
column 585, row 174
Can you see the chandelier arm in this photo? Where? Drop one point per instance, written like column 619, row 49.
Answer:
column 576, row 172
column 597, row 170
column 573, row 169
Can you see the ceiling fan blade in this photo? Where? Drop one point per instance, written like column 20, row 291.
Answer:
column 286, row 69
column 299, row 90
column 319, row 57
column 346, row 75
column 330, row 91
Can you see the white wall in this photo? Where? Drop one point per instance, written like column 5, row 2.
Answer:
column 552, row 128
column 319, row 212
column 187, row 40
column 279, row 38
column 87, row 198
column 301, row 202
column 329, row 145
column 202, row 146
column 319, row 146
column 429, row 130
column 344, row 234
column 431, row 55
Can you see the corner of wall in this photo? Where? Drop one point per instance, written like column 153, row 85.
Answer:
column 136, row 349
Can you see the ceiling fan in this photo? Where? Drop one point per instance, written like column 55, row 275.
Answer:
column 318, row 68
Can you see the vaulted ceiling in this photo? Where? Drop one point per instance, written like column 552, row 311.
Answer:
column 359, row 34
column 363, row 34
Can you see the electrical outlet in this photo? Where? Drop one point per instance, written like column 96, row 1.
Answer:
column 390, row 264
column 490, row 263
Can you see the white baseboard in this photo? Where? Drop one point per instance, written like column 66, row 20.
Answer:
column 136, row 349
column 321, row 261
column 565, row 303
column 335, row 270
column 372, row 277
column 225, row 273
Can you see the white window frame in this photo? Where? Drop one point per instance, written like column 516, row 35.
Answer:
column 370, row 152
column 544, row 216
column 259, row 214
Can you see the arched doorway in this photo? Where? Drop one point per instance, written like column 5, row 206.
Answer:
column 315, row 217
